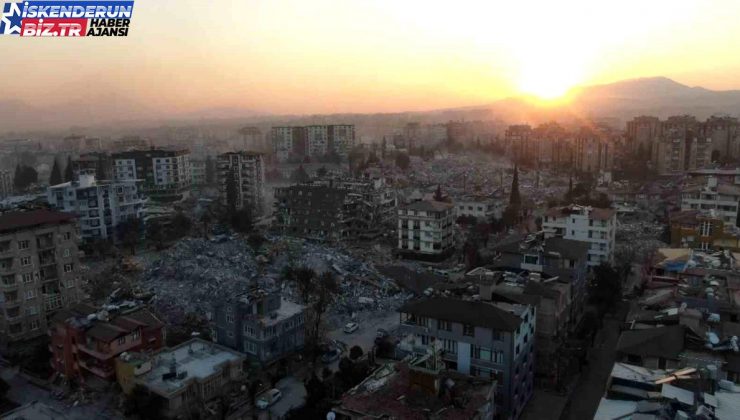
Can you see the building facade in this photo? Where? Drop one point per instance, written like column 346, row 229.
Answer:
column 39, row 264
column 595, row 226
column 261, row 324
column 6, row 184
column 101, row 206
column 483, row 339
column 426, row 229
column 720, row 199
column 185, row 378
column 198, row 172
column 248, row 172
column 165, row 173
column 314, row 141
column 84, row 340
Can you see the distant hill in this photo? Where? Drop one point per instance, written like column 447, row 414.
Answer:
column 658, row 96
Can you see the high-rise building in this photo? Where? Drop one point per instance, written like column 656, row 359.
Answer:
column 39, row 265
column 248, row 172
column 593, row 153
column 165, row 173
column 314, row 141
column 641, row 131
column 100, row 205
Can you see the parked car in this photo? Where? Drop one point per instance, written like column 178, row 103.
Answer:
column 381, row 335
column 331, row 355
column 268, row 398
column 351, row 327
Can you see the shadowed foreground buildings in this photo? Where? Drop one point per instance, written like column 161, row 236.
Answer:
column 39, row 265
column 493, row 340
column 261, row 324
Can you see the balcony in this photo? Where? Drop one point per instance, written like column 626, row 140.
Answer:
column 45, row 242
column 102, row 371
column 94, row 351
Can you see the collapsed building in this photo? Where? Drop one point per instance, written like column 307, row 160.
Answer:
column 336, row 209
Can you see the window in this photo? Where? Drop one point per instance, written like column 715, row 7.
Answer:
column 34, row 324
column 23, row 244
column 8, row 280
column 444, row 325
column 135, row 335
column 250, row 347
column 531, row 259
column 67, row 236
column 68, row 268
column 122, row 340
column 449, row 346
column 230, row 318
column 25, row 261
column 32, row 310
column 468, row 330
column 496, row 335
column 480, row 353
column 66, row 252
column 30, row 294
column 27, row 278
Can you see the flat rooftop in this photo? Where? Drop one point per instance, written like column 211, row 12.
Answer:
column 200, row 359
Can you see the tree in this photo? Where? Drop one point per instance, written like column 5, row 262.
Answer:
column 606, row 289
column 403, row 161
column 326, row 288
column 299, row 175
column 321, row 172
column 304, row 278
column 69, row 174
column 56, row 174
column 242, row 221
column 515, row 199
column 255, row 240
column 180, row 225
column 100, row 170
column 141, row 402
column 129, row 233
column 355, row 352
column 155, row 233
column 25, row 176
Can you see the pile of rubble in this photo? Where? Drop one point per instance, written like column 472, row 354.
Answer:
column 194, row 273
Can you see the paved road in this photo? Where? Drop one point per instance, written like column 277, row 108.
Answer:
column 590, row 388
column 294, row 395
column 365, row 335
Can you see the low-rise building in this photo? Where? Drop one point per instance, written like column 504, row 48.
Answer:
column 101, row 206
column 39, row 272
column 85, row 340
column 703, row 230
column 595, row 226
column 426, row 230
column 482, row 208
column 262, row 324
column 483, row 339
column 720, row 198
column 184, row 378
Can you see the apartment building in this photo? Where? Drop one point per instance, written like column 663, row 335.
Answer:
column 198, row 172
column 314, row 141
column 426, row 230
column 336, row 208
column 6, row 184
column 165, row 173
column 185, row 378
column 593, row 152
column 518, row 142
column 641, row 131
column 720, row 199
column 248, row 172
column 252, row 139
column 482, row 208
column 703, row 230
column 84, row 340
column 101, row 206
column 260, row 323
column 95, row 163
column 483, row 339
column 595, row 226
column 563, row 260
column 39, row 265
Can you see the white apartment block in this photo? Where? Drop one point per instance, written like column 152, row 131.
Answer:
column 342, row 139
column 248, row 168
column 596, row 226
column 720, row 198
column 165, row 174
column 426, row 229
column 318, row 140
column 100, row 205
column 481, row 208
column 282, row 142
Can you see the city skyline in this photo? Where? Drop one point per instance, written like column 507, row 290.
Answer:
column 290, row 57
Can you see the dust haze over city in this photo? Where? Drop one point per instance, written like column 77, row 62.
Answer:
column 355, row 209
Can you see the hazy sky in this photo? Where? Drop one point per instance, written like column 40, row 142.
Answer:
column 317, row 56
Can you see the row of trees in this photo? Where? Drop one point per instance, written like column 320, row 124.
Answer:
column 56, row 173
